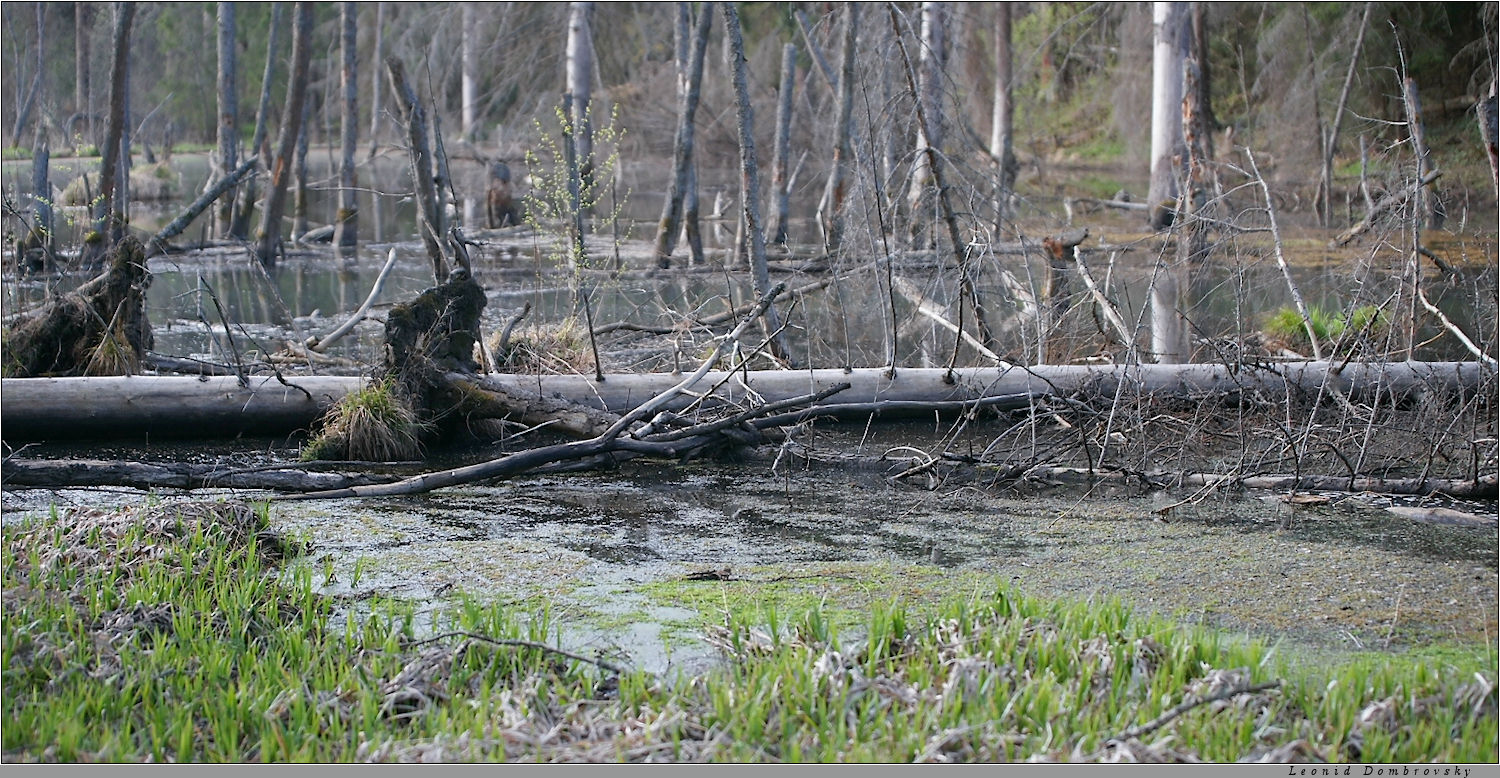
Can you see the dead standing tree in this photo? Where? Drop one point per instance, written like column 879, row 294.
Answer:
column 346, row 223
column 268, row 242
column 415, row 119
column 934, row 165
column 750, row 177
column 782, row 148
column 831, row 208
column 110, row 218
column 1001, row 135
column 239, row 226
column 580, row 67
column 229, row 113
column 689, row 83
column 1169, row 50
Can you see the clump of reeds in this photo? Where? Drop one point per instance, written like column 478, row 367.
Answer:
column 375, row 423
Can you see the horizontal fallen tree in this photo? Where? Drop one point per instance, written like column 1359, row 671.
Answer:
column 208, row 407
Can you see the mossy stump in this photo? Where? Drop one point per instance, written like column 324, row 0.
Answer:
column 425, row 338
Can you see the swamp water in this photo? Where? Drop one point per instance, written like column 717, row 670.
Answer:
column 637, row 563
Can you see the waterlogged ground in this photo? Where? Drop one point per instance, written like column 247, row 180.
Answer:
column 637, row 564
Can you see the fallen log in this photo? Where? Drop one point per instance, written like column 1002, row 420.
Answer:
column 126, row 407
column 72, row 473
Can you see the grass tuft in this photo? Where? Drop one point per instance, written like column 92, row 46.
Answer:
column 374, row 423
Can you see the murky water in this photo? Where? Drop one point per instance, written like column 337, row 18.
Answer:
column 610, row 555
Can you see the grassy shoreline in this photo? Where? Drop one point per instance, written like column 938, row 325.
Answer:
column 173, row 632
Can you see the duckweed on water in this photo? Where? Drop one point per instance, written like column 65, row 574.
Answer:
column 170, row 633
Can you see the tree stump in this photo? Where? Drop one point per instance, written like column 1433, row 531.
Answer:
column 98, row 329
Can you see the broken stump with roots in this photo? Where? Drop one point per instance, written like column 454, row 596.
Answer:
column 98, row 329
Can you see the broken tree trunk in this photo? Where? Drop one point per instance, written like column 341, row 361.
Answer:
column 42, row 408
column 415, row 118
column 158, row 243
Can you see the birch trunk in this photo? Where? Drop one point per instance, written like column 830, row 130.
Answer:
column 750, row 177
column 580, row 68
column 346, row 222
column 229, row 112
column 781, row 149
column 929, row 83
column 469, row 88
column 831, row 208
column 689, row 83
column 1168, row 52
column 286, row 141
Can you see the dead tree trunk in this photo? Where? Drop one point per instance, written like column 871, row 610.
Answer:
column 1487, row 112
column 1001, row 135
column 34, row 250
column 950, row 218
column 23, row 114
column 415, row 118
column 229, row 112
column 269, row 239
column 469, row 76
column 375, row 88
column 299, row 173
column 932, row 57
column 346, row 222
column 239, row 228
column 689, row 82
column 831, row 208
column 580, row 67
column 111, row 216
column 1169, row 51
column 1430, row 213
column 83, row 97
column 781, row 148
column 750, row 178
column 1323, row 203
column 158, row 242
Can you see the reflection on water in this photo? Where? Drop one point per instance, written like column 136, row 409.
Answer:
column 847, row 324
